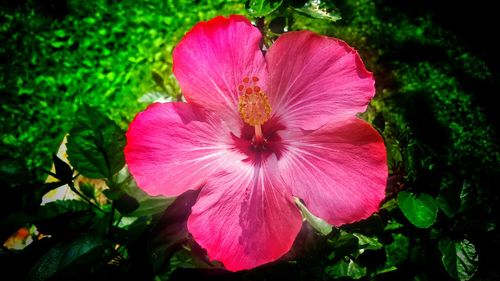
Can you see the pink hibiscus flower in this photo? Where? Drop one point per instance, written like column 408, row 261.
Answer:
column 259, row 129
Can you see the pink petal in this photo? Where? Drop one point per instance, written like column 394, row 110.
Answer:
column 174, row 147
column 339, row 171
column 315, row 79
column 212, row 60
column 245, row 217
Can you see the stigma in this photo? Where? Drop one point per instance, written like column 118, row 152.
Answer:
column 253, row 105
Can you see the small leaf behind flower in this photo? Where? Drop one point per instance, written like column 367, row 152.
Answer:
column 320, row 225
column 320, row 10
column 261, row 8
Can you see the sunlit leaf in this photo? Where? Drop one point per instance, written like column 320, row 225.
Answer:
column 320, row 9
column 260, row 8
column 346, row 269
column 420, row 210
column 318, row 224
column 368, row 243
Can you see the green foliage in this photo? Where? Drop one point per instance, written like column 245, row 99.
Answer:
column 324, row 10
column 420, row 210
column 459, row 258
column 67, row 259
column 95, row 144
column 261, row 8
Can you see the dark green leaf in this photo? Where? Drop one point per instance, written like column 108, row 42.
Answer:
column 64, row 216
column 346, row 269
column 112, row 194
column 152, row 205
column 126, row 204
column 158, row 79
column 87, row 189
column 459, row 258
column 397, row 251
column 343, row 244
column 64, row 172
column 95, row 144
column 70, row 259
column 130, row 233
column 59, row 207
column 449, row 201
column 420, row 210
column 320, row 9
column 260, row 8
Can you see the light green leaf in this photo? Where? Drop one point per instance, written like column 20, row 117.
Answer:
column 420, row 210
column 346, row 269
column 260, row 8
column 368, row 243
column 320, row 10
column 320, row 225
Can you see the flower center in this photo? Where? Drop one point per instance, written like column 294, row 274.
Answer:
column 253, row 106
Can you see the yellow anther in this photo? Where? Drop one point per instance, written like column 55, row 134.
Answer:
column 254, row 108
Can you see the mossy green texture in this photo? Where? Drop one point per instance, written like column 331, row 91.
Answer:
column 102, row 53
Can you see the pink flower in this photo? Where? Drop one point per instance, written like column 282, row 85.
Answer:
column 258, row 130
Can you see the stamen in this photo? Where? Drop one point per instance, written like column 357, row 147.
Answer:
column 254, row 106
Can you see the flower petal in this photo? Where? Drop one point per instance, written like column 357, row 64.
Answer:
column 245, row 217
column 212, row 60
column 315, row 79
column 174, row 147
column 340, row 170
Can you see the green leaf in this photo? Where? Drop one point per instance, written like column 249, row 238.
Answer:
column 152, row 205
column 449, row 201
column 261, row 8
column 63, row 216
column 64, row 172
column 318, row 224
column 346, row 269
column 112, row 194
column 420, row 210
column 320, row 10
column 397, row 252
column 459, row 258
column 87, row 189
column 70, row 259
column 368, row 243
column 126, row 204
column 59, row 207
column 158, row 79
column 343, row 244
column 95, row 144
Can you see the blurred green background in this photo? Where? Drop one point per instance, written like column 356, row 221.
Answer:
column 437, row 74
